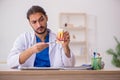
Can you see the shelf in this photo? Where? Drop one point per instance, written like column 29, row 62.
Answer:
column 74, row 28
column 76, row 25
column 70, row 14
column 78, row 42
column 73, row 19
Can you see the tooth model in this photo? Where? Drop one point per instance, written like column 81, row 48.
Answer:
column 60, row 35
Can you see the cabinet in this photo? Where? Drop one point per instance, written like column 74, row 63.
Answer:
column 76, row 25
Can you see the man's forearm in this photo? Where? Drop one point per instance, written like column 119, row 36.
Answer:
column 25, row 55
column 67, row 51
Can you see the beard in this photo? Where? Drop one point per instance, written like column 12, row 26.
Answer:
column 40, row 28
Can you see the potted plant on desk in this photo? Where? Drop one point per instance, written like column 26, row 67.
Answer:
column 115, row 53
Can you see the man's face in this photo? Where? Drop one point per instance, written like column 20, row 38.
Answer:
column 38, row 21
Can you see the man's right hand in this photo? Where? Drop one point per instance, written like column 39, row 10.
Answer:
column 39, row 47
column 34, row 49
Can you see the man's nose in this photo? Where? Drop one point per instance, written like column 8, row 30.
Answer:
column 38, row 24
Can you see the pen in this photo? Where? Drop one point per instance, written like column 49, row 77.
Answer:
column 51, row 42
column 94, row 54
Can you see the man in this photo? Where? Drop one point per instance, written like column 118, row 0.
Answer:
column 39, row 49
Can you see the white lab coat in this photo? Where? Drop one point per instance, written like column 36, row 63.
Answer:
column 56, row 54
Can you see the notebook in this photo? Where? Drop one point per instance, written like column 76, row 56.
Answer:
column 83, row 67
column 39, row 68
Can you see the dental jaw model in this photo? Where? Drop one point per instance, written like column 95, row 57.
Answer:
column 60, row 34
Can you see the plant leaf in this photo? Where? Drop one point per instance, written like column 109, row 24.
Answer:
column 111, row 52
column 116, row 61
column 118, row 49
column 116, row 40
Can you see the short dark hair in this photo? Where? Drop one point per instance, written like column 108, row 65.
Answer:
column 35, row 9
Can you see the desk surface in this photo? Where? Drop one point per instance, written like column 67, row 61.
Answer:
column 15, row 74
column 49, row 72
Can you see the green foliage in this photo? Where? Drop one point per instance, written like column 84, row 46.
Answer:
column 115, row 53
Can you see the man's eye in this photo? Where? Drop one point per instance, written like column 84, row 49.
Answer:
column 33, row 22
column 41, row 19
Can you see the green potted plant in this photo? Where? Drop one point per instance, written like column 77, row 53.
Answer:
column 115, row 53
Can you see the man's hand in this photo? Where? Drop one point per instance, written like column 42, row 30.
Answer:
column 39, row 47
column 34, row 49
column 63, row 38
column 66, row 38
column 66, row 42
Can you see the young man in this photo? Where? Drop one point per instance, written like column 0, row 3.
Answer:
column 39, row 49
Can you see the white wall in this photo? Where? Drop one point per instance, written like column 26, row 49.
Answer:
column 13, row 20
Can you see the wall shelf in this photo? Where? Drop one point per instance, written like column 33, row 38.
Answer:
column 76, row 25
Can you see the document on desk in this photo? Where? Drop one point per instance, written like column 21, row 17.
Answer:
column 39, row 68
column 58, row 68
column 78, row 68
